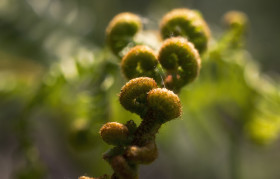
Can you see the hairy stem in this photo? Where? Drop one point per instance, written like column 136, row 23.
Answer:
column 122, row 169
column 147, row 130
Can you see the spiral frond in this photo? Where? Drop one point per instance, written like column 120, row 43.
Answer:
column 165, row 104
column 235, row 19
column 114, row 133
column 181, row 60
column 139, row 61
column 186, row 23
column 121, row 30
column 133, row 96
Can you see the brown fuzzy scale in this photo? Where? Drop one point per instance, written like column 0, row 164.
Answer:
column 186, row 23
column 142, row 155
column 84, row 177
column 165, row 104
column 102, row 177
column 114, row 133
column 122, row 169
column 181, row 60
column 133, row 94
column 147, row 130
column 139, row 61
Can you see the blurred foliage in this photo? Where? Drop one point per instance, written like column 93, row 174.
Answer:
column 58, row 85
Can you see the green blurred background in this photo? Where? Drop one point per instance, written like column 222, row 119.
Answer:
column 41, row 41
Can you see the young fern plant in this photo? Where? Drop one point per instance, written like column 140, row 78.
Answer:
column 136, row 145
column 155, row 79
column 121, row 31
column 186, row 23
